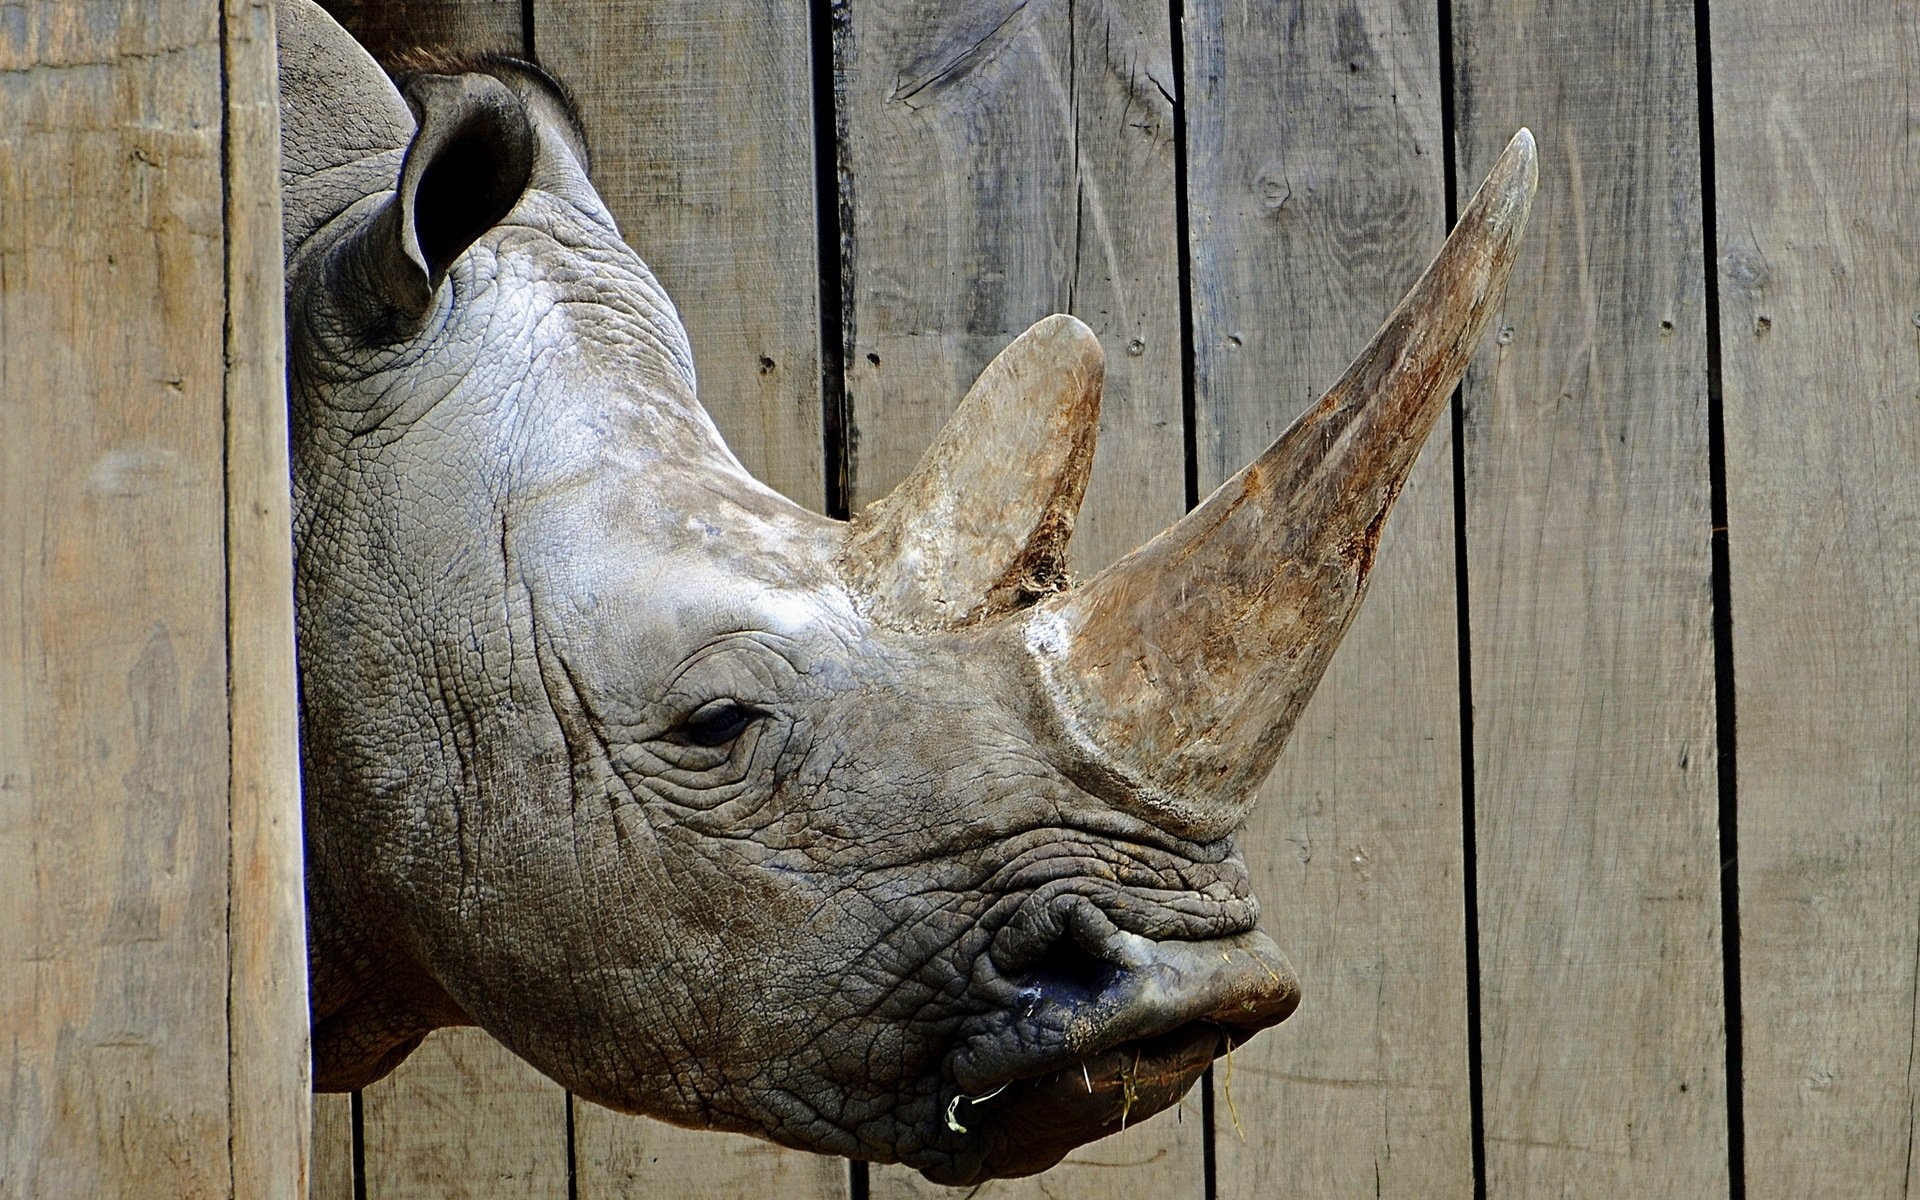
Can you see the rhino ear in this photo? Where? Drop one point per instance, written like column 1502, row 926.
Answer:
column 981, row 526
column 469, row 162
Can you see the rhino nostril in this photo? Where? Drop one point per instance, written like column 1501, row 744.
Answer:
column 1065, row 970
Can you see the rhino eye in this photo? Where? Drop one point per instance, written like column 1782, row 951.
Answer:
column 717, row 722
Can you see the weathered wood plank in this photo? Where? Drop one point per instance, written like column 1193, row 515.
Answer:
column 1006, row 161
column 1589, row 565
column 331, row 1149
column 633, row 1158
column 267, row 945
column 700, row 120
column 464, row 1119
column 1318, row 194
column 331, row 1173
column 1817, row 193
column 386, row 27
column 114, row 804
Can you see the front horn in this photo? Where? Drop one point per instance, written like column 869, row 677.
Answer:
column 1181, row 669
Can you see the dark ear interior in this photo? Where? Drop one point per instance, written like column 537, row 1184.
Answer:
column 469, row 161
column 466, row 168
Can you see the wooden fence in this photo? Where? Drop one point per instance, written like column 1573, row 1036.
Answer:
column 152, row 950
column 1598, row 852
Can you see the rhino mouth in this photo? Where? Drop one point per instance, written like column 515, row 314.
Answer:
column 1031, row 1124
column 1097, row 1029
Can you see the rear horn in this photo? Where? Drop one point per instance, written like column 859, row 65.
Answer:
column 981, row 526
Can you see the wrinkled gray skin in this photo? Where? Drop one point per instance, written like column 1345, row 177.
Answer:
column 604, row 754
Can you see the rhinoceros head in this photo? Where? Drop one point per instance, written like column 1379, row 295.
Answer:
column 872, row 837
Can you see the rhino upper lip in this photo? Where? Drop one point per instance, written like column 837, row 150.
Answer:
column 1073, row 984
column 1073, row 916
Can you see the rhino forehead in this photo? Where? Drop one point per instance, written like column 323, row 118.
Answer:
column 636, row 604
column 794, row 616
column 697, row 603
column 561, row 311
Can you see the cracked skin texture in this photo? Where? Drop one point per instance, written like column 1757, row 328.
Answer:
column 871, row 839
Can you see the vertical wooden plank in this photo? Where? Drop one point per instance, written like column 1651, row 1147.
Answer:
column 267, row 947
column 113, row 642
column 1589, row 566
column 1001, row 162
column 386, row 27
column 331, row 1173
column 465, row 1120
column 1124, row 282
column 633, row 1158
column 700, row 119
column 1817, row 193
column 330, row 1148
column 1318, row 194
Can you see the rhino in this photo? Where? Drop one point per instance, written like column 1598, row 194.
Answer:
column 878, row 838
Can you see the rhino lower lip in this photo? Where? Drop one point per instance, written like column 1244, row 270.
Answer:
column 1135, row 1078
column 1030, row 1124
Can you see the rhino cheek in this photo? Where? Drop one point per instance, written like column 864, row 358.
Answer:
column 718, row 1029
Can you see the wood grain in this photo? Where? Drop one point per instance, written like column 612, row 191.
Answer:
column 700, row 120
column 1318, row 195
column 386, row 27
column 1817, row 262
column 465, row 1120
column 330, row 1150
column 114, row 804
column 331, row 1173
column 1001, row 162
column 1590, row 603
column 267, row 946
column 633, row 1158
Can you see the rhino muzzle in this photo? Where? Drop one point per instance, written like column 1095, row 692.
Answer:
column 1098, row 1027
